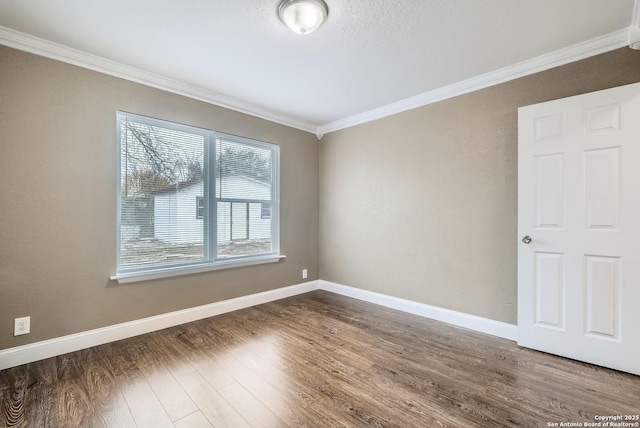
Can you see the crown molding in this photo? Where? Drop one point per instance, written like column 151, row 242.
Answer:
column 634, row 29
column 634, row 38
column 617, row 39
column 35, row 45
column 579, row 51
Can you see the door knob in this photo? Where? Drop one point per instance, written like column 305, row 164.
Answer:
column 527, row 239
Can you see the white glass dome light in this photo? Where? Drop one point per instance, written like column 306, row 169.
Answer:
column 303, row 16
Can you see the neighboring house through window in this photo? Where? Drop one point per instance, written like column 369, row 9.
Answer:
column 164, row 167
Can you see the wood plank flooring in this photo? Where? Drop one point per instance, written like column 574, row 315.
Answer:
column 314, row 360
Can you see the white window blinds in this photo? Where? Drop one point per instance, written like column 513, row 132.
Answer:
column 243, row 183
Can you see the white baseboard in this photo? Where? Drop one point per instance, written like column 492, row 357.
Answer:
column 61, row 345
column 460, row 319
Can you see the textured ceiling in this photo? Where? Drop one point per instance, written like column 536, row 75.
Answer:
column 368, row 54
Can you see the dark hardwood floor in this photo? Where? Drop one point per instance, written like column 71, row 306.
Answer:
column 315, row 360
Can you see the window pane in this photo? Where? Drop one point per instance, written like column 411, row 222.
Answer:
column 243, row 185
column 161, row 222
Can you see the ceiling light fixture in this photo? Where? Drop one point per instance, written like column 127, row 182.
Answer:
column 303, row 16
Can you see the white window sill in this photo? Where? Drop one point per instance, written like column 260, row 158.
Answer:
column 146, row 275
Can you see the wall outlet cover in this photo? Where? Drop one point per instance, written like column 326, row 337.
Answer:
column 22, row 326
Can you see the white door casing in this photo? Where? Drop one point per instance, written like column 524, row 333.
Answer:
column 579, row 202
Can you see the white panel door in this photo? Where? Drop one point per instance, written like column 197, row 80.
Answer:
column 579, row 225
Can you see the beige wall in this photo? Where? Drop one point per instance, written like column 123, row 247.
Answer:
column 58, row 201
column 422, row 205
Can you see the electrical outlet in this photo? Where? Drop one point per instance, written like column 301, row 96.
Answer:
column 304, row 274
column 22, row 326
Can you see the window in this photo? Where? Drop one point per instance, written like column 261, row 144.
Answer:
column 265, row 210
column 164, row 167
column 199, row 207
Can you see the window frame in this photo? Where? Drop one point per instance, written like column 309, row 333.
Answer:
column 211, row 261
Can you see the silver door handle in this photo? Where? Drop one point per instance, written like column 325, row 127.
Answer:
column 527, row 239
